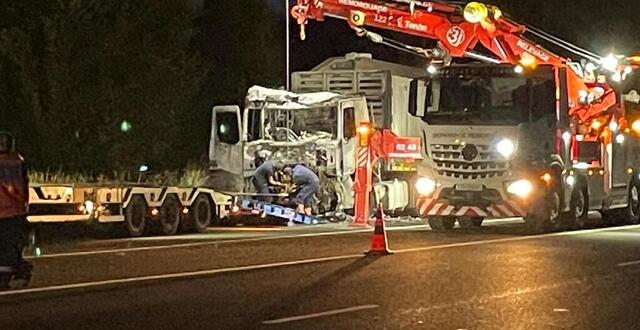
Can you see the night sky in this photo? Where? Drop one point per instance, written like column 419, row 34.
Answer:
column 73, row 71
column 599, row 26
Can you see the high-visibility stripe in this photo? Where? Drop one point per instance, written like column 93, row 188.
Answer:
column 497, row 212
column 462, row 211
column 426, row 206
column 435, row 209
column 363, row 157
column 479, row 212
column 448, row 210
column 505, row 210
column 430, row 207
column 516, row 208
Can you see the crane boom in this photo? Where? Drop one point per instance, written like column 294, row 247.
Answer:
column 459, row 31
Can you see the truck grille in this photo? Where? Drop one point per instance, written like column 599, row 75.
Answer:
column 449, row 160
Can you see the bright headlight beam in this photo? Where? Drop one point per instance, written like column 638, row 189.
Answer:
column 610, row 63
column 89, row 206
column 520, row 188
column 425, row 186
column 506, row 147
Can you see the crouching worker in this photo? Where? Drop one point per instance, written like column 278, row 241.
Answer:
column 263, row 179
column 307, row 184
column 14, row 197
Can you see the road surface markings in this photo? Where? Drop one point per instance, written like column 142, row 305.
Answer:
column 560, row 310
column 629, row 263
column 227, row 241
column 296, row 262
column 177, row 275
column 476, row 301
column 215, row 242
column 512, row 239
column 321, row 314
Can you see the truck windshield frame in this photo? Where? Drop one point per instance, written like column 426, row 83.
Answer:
column 291, row 125
column 490, row 95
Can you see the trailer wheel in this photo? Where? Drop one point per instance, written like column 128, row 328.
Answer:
column 470, row 222
column 441, row 223
column 579, row 209
column 201, row 213
column 135, row 216
column 170, row 214
column 633, row 208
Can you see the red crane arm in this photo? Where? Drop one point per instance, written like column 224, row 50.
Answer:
column 437, row 21
column 458, row 36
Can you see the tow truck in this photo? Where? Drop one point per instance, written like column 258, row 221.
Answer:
column 519, row 132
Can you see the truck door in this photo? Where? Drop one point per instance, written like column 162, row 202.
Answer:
column 352, row 112
column 225, row 149
column 619, row 152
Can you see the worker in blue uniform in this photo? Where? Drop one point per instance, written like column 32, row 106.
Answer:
column 263, row 178
column 307, row 184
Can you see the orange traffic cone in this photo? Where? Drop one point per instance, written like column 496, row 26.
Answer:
column 379, row 244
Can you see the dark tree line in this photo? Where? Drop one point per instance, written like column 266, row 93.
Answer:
column 72, row 71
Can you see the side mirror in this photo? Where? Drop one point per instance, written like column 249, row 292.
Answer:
column 414, row 94
column 632, row 97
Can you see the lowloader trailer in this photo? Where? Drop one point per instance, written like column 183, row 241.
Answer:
column 140, row 209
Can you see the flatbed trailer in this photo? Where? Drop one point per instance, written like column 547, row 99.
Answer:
column 141, row 209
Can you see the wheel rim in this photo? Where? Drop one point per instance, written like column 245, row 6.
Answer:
column 137, row 220
column 554, row 210
column 203, row 213
column 170, row 216
column 448, row 223
column 579, row 206
column 635, row 200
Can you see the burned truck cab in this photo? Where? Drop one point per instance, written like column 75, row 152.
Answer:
column 314, row 129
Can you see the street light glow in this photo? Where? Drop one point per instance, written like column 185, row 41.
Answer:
column 610, row 63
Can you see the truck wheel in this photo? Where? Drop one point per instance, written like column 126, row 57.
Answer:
column 200, row 215
column 470, row 222
column 170, row 214
column 547, row 215
column 633, row 209
column 135, row 216
column 579, row 205
column 440, row 223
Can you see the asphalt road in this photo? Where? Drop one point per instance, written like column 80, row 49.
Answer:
column 494, row 278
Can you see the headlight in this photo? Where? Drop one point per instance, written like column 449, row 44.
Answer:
column 506, row 148
column 520, row 188
column 425, row 186
column 89, row 206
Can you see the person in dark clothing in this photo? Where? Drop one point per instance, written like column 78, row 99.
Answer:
column 14, row 199
column 263, row 178
column 307, row 184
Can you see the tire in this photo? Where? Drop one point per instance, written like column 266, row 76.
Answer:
column 579, row 209
column 547, row 216
column 470, row 223
column 614, row 217
column 170, row 214
column 135, row 216
column 200, row 216
column 441, row 223
column 633, row 209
